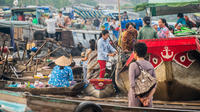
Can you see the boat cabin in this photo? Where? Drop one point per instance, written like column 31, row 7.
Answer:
column 27, row 14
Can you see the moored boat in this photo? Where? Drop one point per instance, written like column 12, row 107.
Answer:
column 40, row 104
column 70, row 91
column 50, row 104
column 176, row 62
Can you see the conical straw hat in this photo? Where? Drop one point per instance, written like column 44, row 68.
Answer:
column 63, row 61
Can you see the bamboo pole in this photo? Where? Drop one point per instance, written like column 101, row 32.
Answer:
column 45, row 57
column 120, row 33
column 5, row 63
column 36, row 52
column 25, row 48
column 36, row 67
column 2, row 48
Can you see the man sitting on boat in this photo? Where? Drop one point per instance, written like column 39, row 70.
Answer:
column 104, row 49
column 180, row 20
column 140, row 51
column 61, row 74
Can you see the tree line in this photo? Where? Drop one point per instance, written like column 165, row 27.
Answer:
column 54, row 3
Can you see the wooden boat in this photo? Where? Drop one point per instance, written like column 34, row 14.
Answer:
column 37, row 103
column 70, row 91
column 13, row 102
column 50, row 104
column 100, row 88
column 176, row 62
column 29, row 76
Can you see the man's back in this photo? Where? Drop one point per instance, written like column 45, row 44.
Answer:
column 147, row 32
column 51, row 25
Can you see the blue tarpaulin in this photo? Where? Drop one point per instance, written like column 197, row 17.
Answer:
column 138, row 23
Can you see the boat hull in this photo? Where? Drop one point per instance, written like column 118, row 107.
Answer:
column 50, row 104
column 47, row 104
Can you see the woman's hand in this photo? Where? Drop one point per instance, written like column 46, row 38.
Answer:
column 111, row 54
column 145, row 101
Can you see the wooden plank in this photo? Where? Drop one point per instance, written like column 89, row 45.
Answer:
column 177, row 103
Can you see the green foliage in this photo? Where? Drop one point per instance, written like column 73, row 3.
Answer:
column 55, row 3
column 126, row 6
column 88, row 2
column 6, row 2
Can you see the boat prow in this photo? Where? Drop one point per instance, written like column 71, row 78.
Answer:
column 100, row 88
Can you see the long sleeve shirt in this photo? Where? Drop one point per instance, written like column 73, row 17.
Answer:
column 133, row 73
column 61, row 77
column 147, row 32
column 103, row 48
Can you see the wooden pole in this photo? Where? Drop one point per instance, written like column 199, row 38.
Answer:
column 36, row 66
column 120, row 29
column 36, row 52
column 25, row 48
column 2, row 48
column 45, row 57
column 5, row 62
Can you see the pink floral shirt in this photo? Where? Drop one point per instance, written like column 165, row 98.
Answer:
column 163, row 33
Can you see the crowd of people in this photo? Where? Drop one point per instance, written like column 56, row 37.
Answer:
column 128, row 43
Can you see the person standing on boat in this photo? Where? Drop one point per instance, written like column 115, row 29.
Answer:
column 51, row 26
column 164, row 31
column 104, row 49
column 68, row 22
column 147, row 32
column 61, row 74
column 140, row 51
column 96, row 23
column 115, row 27
column 129, row 37
column 60, row 20
column 125, row 16
column 92, row 64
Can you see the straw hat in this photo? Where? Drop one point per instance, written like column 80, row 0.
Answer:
column 63, row 61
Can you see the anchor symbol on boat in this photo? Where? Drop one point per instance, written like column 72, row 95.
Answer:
column 168, row 52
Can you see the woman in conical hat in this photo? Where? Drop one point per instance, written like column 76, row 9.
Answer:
column 61, row 74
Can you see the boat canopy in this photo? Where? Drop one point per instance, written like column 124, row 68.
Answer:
column 8, row 24
column 23, row 10
column 168, row 7
column 87, row 13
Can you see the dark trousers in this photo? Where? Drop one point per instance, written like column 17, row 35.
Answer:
column 51, row 35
